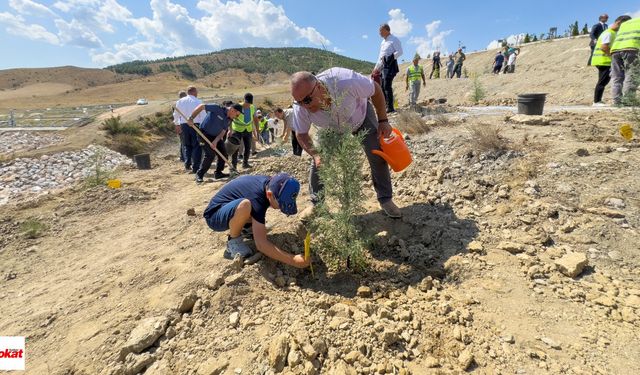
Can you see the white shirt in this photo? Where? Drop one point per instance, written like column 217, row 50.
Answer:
column 349, row 92
column 187, row 105
column 606, row 37
column 512, row 59
column 389, row 46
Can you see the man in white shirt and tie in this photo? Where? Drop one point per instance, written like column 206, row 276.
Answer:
column 192, row 150
column 387, row 65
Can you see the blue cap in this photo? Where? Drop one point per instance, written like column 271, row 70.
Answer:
column 285, row 189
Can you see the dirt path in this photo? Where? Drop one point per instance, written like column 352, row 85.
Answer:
column 112, row 258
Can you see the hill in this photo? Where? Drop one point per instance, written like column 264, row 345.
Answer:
column 71, row 76
column 557, row 67
column 250, row 60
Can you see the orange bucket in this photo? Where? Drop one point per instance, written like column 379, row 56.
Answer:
column 394, row 151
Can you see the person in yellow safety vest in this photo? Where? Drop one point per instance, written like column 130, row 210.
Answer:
column 243, row 129
column 601, row 58
column 624, row 52
column 263, row 130
column 413, row 76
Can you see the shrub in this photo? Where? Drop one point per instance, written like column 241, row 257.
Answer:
column 127, row 144
column 411, row 122
column 33, row 228
column 335, row 231
column 477, row 93
column 99, row 175
column 115, row 126
column 488, row 138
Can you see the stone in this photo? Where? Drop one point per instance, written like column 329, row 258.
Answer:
column 551, row 343
column 364, row 292
column 294, row 358
column 159, row 368
column 615, row 203
column 511, row 247
column 606, row 301
column 187, row 303
column 582, row 152
column 213, row 366
column 475, row 247
column 352, row 357
column 390, row 337
column 530, row 119
column 431, row 362
column 572, row 264
column 340, row 310
column 632, row 301
column 426, row 284
column 280, row 281
column 214, row 281
column 144, row 335
column 278, row 352
column 137, row 363
column 465, row 359
column 234, row 319
column 191, row 212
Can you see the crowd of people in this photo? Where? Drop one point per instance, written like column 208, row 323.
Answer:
column 614, row 52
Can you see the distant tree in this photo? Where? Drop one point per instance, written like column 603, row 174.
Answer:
column 542, row 36
column 585, row 29
column 574, row 29
column 535, row 38
column 527, row 38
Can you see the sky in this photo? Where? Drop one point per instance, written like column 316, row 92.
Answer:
column 98, row 33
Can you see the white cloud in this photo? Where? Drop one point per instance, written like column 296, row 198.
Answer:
column 252, row 23
column 515, row 39
column 337, row 50
column 28, row 7
column 433, row 41
column 365, row 36
column 129, row 52
column 95, row 14
column 399, row 24
column 16, row 26
column 635, row 14
column 76, row 34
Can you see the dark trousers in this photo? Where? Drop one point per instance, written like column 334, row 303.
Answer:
column 604, row 76
column 210, row 155
column 182, row 158
column 192, row 149
column 593, row 47
column 496, row 69
column 380, row 174
column 245, row 138
column 457, row 70
column 297, row 148
column 387, row 87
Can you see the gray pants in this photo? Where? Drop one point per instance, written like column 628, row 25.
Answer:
column 622, row 81
column 380, row 174
column 414, row 91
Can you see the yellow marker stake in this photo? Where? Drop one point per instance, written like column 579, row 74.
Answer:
column 114, row 184
column 626, row 131
column 307, row 250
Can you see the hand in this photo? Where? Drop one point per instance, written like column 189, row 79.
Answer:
column 190, row 122
column 316, row 160
column 300, row 262
column 384, row 129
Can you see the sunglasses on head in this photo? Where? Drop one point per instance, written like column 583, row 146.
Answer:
column 307, row 99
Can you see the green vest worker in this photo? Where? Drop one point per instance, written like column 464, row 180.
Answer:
column 624, row 52
column 243, row 129
column 413, row 76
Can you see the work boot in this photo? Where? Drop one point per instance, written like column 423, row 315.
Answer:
column 219, row 175
column 246, row 165
column 199, row 179
column 391, row 209
column 237, row 247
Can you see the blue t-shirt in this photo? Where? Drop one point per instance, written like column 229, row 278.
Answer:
column 215, row 121
column 248, row 187
column 499, row 59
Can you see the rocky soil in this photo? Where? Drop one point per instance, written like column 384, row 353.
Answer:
column 519, row 259
column 14, row 141
column 24, row 178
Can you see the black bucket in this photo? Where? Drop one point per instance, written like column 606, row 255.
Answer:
column 143, row 161
column 531, row 104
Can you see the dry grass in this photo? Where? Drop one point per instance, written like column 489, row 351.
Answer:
column 33, row 228
column 127, row 144
column 443, row 120
column 410, row 122
column 488, row 138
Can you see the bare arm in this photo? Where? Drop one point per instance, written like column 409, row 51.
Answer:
column 606, row 48
column 267, row 248
column 307, row 144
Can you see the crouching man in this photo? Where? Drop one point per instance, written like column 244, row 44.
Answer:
column 242, row 204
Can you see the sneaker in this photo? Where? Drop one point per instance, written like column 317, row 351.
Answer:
column 219, row 175
column 246, row 165
column 391, row 209
column 199, row 179
column 237, row 248
column 599, row 104
column 187, row 168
